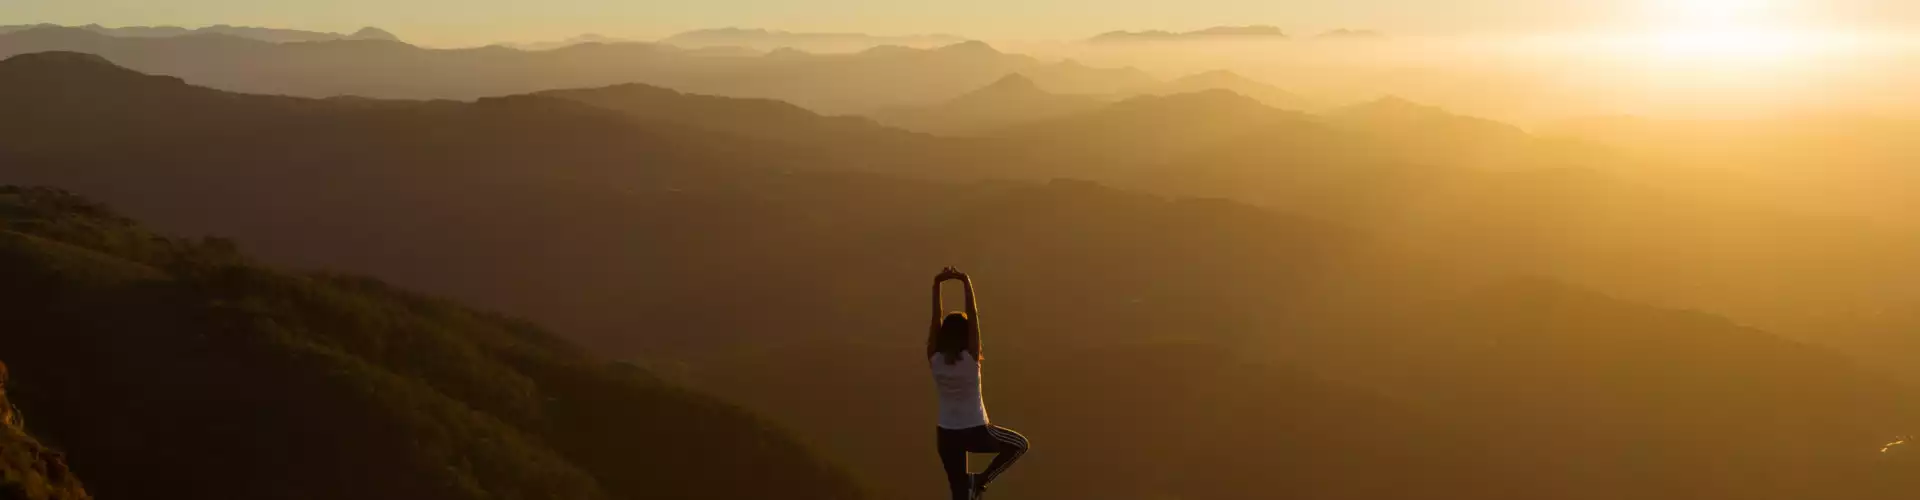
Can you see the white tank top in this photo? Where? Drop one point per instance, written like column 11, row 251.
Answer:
column 959, row 383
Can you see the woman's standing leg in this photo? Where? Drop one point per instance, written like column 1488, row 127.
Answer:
column 953, row 458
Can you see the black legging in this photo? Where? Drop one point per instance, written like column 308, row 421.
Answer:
column 954, row 444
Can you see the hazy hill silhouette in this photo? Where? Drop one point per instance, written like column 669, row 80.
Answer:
column 845, row 143
column 764, row 119
column 832, row 83
column 1217, row 33
column 1230, row 81
column 1073, row 77
column 180, row 369
column 764, row 40
column 1010, row 101
column 1350, row 34
column 274, row 35
column 695, row 250
column 1187, row 139
column 1853, row 167
column 1441, row 136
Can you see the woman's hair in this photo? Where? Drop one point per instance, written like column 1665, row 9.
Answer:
column 953, row 337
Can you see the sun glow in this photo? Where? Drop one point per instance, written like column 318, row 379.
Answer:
column 1723, row 30
column 1715, row 13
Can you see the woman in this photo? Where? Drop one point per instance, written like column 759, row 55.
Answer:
column 953, row 350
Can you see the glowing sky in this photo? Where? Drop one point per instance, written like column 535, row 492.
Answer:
column 464, row 22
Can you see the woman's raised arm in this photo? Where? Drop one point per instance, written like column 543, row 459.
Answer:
column 939, row 313
column 973, row 315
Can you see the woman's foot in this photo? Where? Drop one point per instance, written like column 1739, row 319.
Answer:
column 979, row 488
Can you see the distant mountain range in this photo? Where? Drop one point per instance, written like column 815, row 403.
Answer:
column 1238, row 33
column 1253, row 33
column 767, row 40
column 874, row 79
column 1017, row 100
column 1227, row 80
column 1348, row 34
column 274, row 35
column 569, row 42
column 1012, row 100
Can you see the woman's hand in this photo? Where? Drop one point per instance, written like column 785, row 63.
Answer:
column 949, row 273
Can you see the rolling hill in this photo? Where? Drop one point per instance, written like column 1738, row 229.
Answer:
column 1226, row 80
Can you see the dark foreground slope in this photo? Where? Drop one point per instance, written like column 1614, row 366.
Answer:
column 179, row 369
column 30, row 470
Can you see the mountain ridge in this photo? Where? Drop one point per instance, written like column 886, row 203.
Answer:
column 271, row 35
column 1012, row 100
column 848, row 83
column 764, row 39
column 1254, row 32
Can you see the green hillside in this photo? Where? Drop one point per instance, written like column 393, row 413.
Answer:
column 172, row 368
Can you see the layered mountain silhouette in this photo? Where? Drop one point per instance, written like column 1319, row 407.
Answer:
column 1018, row 100
column 580, row 39
column 1073, row 77
column 1226, row 80
column 273, row 35
column 1012, row 100
column 731, row 241
column 878, row 78
column 1350, row 34
column 761, row 39
column 1438, row 135
column 1217, row 33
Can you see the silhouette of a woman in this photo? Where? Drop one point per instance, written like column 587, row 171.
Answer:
column 953, row 351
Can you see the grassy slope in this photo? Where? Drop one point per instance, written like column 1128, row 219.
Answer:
column 180, row 367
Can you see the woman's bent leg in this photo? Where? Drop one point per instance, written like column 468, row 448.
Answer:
column 1009, row 445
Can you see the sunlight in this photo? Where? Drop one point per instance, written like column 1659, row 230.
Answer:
column 1720, row 30
column 1726, row 44
column 1713, row 13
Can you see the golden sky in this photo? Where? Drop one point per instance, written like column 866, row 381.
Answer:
column 473, row 22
